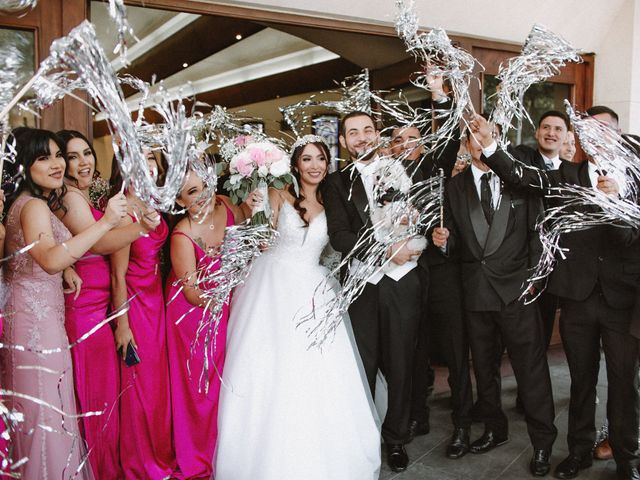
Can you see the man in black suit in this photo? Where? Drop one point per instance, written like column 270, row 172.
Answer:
column 493, row 230
column 443, row 321
column 550, row 134
column 386, row 316
column 596, row 282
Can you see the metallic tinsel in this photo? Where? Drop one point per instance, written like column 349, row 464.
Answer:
column 439, row 58
column 408, row 215
column 543, row 54
column 16, row 6
column 354, row 92
column 118, row 13
column 78, row 61
column 611, row 152
column 577, row 213
column 586, row 207
column 232, row 263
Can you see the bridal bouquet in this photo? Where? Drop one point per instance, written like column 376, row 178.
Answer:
column 259, row 165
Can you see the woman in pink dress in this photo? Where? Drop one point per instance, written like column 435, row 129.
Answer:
column 195, row 412
column 34, row 314
column 146, row 443
column 96, row 366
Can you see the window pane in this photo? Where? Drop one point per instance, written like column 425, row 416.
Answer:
column 24, row 41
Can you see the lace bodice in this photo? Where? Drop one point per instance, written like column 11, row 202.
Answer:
column 22, row 265
column 297, row 243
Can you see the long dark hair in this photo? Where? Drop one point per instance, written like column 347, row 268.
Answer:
column 31, row 144
column 66, row 136
column 295, row 156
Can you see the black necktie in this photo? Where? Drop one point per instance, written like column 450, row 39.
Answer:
column 486, row 197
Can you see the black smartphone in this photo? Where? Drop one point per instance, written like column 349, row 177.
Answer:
column 131, row 358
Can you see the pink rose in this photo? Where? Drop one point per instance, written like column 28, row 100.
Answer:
column 257, row 156
column 273, row 155
column 242, row 140
column 244, row 165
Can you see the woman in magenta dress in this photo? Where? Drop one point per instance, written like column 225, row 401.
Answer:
column 4, row 452
column 96, row 366
column 146, row 443
column 34, row 314
column 195, row 412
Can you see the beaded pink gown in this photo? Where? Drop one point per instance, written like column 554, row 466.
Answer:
column 195, row 414
column 146, row 444
column 96, row 365
column 34, row 318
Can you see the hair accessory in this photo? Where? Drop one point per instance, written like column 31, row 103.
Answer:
column 307, row 139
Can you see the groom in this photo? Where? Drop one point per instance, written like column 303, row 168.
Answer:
column 386, row 316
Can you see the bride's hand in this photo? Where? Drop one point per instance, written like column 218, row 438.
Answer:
column 254, row 199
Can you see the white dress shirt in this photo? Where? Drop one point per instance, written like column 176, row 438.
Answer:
column 551, row 163
column 494, row 184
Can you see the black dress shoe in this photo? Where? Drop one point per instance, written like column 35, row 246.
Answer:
column 571, row 466
column 488, row 441
column 397, row 457
column 417, row 429
column 627, row 472
column 459, row 444
column 540, row 462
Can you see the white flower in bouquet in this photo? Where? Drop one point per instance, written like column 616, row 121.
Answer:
column 280, row 168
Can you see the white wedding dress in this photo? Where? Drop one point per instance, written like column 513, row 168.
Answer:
column 288, row 412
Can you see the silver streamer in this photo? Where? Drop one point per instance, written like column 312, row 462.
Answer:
column 118, row 13
column 611, row 152
column 241, row 245
column 576, row 213
column 78, row 61
column 615, row 156
column 543, row 54
column 11, row 61
column 17, row 6
column 354, row 92
column 440, row 58
column 403, row 214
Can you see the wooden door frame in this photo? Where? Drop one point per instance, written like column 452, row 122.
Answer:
column 52, row 19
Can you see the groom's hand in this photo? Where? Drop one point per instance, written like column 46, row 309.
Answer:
column 439, row 237
column 400, row 253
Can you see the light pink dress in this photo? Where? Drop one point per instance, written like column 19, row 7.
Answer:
column 195, row 414
column 34, row 318
column 146, row 443
column 96, row 365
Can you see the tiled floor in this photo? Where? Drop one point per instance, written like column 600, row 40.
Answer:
column 510, row 461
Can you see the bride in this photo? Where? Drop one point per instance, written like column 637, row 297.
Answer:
column 288, row 412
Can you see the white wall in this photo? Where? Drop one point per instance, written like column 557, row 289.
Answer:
column 608, row 28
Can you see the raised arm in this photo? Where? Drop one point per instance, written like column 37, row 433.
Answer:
column 512, row 173
column 54, row 257
column 78, row 218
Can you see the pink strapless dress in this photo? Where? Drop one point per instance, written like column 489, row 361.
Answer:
column 146, row 445
column 96, row 366
column 195, row 414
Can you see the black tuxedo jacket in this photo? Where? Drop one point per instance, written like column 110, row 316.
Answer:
column 495, row 259
column 346, row 208
column 607, row 255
